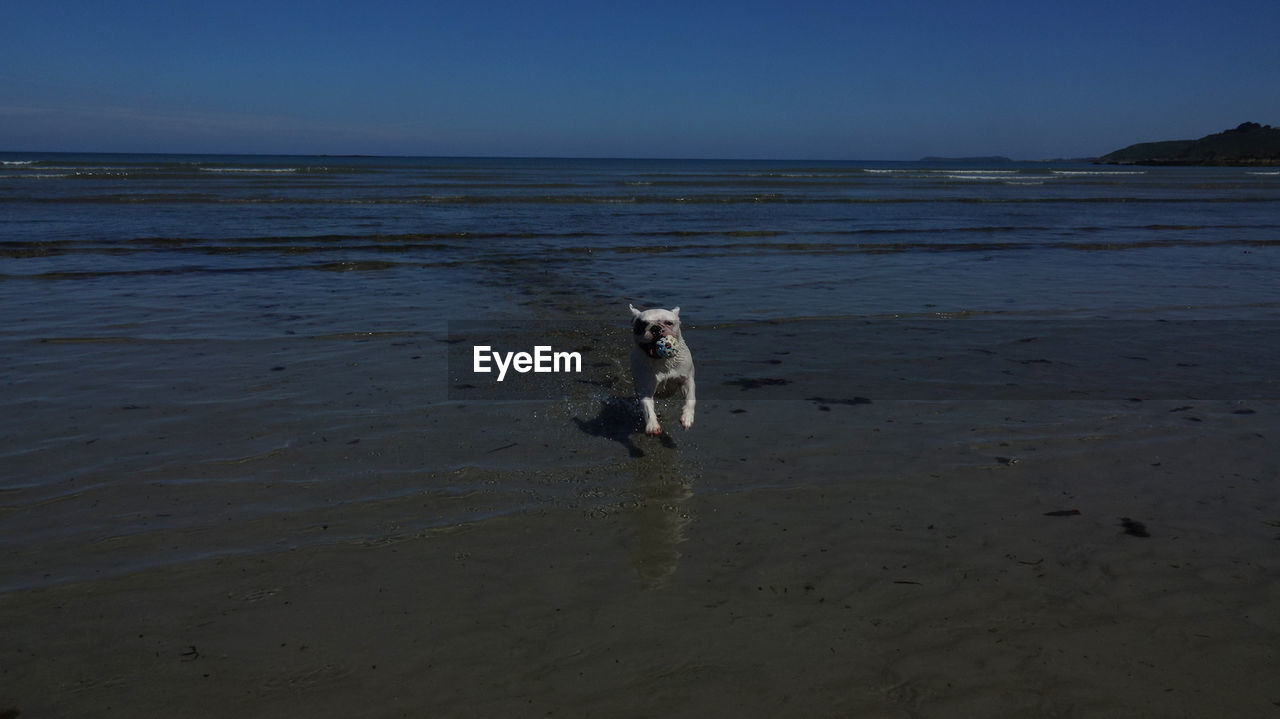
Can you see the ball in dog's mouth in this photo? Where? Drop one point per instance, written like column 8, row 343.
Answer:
column 664, row 347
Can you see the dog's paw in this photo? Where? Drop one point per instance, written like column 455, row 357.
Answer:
column 686, row 421
column 653, row 430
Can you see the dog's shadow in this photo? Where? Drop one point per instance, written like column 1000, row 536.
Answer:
column 620, row 420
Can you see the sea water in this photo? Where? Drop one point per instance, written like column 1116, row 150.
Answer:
column 760, row 239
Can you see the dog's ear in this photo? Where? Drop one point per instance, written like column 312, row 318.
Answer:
column 635, row 313
column 676, row 312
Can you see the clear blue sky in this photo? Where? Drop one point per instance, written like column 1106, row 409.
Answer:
column 886, row 79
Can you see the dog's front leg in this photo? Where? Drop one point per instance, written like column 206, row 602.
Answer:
column 690, row 401
column 651, row 425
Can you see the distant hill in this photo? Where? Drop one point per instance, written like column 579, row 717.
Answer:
column 1248, row 144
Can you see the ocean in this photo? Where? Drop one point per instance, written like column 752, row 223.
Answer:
column 737, row 239
column 216, row 355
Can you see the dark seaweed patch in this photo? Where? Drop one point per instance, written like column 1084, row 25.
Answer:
column 1134, row 529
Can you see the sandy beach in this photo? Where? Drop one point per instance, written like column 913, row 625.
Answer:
column 786, row 558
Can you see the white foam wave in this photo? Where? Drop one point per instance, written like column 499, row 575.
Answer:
column 1098, row 172
column 16, row 162
column 793, row 175
column 976, row 177
column 252, row 170
column 1265, row 173
column 92, row 169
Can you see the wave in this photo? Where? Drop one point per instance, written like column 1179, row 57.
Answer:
column 699, row 250
column 1098, row 172
column 798, row 175
column 977, row 177
column 639, row 199
column 165, row 170
column 261, row 170
column 927, row 172
column 875, row 248
column 356, row 252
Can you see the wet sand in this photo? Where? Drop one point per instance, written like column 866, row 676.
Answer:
column 785, row 558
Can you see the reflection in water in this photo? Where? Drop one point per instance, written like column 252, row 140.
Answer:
column 662, row 486
column 657, row 525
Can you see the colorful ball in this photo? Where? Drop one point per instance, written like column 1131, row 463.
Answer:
column 665, row 346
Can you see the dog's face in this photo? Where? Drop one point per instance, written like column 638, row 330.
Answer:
column 650, row 325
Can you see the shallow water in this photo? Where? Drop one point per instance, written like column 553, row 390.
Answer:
column 209, row 355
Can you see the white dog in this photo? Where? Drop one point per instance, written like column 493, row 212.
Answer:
column 657, row 375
